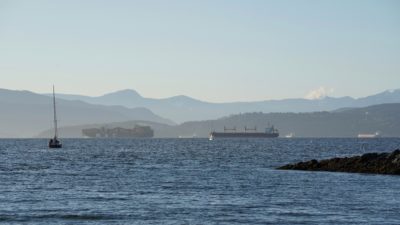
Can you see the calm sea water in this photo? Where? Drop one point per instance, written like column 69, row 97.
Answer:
column 191, row 181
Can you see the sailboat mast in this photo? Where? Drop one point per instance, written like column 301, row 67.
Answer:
column 55, row 115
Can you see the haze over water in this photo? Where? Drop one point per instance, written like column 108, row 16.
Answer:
column 190, row 181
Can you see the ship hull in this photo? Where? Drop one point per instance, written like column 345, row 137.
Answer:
column 55, row 145
column 242, row 135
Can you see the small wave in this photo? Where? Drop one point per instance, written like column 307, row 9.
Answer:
column 11, row 218
column 6, row 219
column 98, row 198
column 300, row 214
column 23, row 167
column 87, row 217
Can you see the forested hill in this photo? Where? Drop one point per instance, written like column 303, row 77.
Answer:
column 384, row 118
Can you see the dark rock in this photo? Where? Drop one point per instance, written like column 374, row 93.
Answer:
column 380, row 163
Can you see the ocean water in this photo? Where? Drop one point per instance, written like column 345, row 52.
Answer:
column 191, row 181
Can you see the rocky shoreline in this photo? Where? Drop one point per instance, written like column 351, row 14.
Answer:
column 378, row 163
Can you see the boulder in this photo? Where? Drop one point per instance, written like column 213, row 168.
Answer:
column 379, row 163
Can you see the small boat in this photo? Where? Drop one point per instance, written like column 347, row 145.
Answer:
column 290, row 135
column 54, row 142
column 376, row 135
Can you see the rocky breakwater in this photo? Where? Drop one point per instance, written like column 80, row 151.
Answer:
column 379, row 163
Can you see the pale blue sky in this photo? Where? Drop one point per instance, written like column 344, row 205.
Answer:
column 211, row 50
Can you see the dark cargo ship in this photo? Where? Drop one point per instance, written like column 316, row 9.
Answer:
column 270, row 132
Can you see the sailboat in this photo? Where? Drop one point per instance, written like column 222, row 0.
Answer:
column 54, row 142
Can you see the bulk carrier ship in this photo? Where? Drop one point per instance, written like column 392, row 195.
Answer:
column 270, row 132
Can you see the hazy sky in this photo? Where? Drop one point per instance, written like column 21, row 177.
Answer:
column 211, row 50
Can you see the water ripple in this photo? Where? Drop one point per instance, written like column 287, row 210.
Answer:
column 191, row 181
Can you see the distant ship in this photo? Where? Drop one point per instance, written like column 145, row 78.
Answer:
column 270, row 132
column 118, row 132
column 188, row 136
column 54, row 142
column 375, row 135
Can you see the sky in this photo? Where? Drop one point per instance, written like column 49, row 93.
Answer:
column 213, row 50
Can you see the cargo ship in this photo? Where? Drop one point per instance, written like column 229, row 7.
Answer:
column 270, row 132
column 119, row 132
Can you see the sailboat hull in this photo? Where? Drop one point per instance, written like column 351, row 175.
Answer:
column 55, row 145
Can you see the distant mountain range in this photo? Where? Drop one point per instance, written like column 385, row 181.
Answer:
column 182, row 108
column 384, row 118
column 24, row 113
